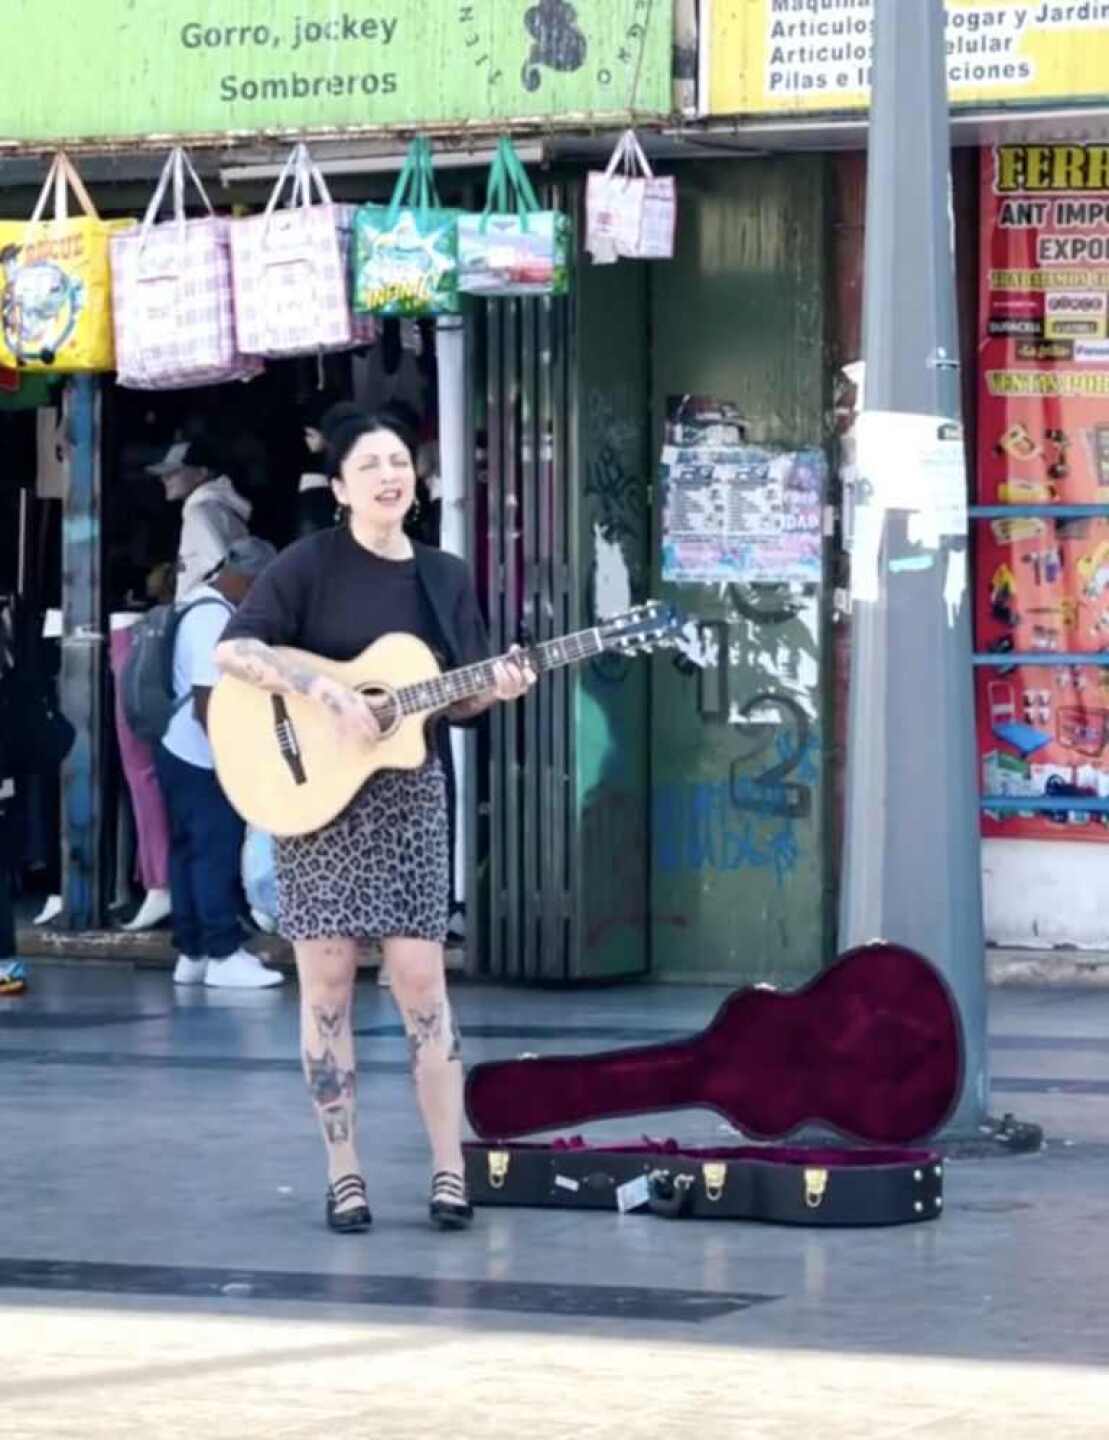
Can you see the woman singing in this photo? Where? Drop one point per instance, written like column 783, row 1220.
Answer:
column 381, row 869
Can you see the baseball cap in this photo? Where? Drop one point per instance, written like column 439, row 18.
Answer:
column 248, row 556
column 175, row 458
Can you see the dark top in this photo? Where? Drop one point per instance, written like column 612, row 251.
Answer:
column 329, row 595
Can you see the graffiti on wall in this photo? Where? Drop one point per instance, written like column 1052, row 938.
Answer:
column 616, row 508
column 698, row 827
column 614, row 485
column 754, row 673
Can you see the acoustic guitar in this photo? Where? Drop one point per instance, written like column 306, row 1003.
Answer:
column 282, row 762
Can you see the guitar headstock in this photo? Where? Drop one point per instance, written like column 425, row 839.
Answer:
column 647, row 627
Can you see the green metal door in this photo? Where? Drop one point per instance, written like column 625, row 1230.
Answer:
column 739, row 892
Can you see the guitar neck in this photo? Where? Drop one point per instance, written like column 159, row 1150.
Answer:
column 456, row 685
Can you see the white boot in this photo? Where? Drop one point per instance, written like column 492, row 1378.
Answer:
column 189, row 972
column 153, row 910
column 241, row 971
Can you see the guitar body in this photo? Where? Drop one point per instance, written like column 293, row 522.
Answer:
column 282, row 762
column 295, row 796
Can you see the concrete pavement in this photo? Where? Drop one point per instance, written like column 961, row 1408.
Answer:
column 164, row 1268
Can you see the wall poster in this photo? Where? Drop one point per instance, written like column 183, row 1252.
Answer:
column 740, row 514
column 1043, row 440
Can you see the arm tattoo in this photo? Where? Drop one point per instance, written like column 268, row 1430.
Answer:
column 327, row 1081
column 336, row 1124
column 258, row 664
column 329, row 1022
column 424, row 1028
column 470, row 709
column 456, row 1041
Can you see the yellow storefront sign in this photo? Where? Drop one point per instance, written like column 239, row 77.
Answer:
column 771, row 57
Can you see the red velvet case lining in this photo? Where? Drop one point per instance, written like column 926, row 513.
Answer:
column 871, row 1049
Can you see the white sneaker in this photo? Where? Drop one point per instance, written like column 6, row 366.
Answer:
column 153, row 910
column 189, row 972
column 50, row 911
column 241, row 971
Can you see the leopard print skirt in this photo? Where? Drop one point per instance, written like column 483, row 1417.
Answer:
column 382, row 869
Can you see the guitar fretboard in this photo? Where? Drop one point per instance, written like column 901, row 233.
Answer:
column 472, row 680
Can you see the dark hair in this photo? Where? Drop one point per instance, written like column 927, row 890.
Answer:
column 403, row 419
column 342, row 428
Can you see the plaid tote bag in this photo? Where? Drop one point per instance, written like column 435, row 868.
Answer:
column 173, row 307
column 290, row 267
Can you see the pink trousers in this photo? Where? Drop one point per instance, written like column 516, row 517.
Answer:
column 151, row 823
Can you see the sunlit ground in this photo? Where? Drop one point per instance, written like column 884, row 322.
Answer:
column 100, row 1372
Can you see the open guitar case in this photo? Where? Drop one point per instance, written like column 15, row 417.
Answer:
column 870, row 1054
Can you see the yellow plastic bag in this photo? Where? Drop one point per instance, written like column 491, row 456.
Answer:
column 55, row 283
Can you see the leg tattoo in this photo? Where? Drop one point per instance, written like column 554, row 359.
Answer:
column 336, row 1124
column 425, row 1028
column 327, row 1081
column 329, row 1022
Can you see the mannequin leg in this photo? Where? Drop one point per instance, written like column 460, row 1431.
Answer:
column 151, row 823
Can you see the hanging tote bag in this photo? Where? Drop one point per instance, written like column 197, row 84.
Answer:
column 513, row 247
column 406, row 252
column 630, row 212
column 172, row 302
column 290, row 268
column 55, row 282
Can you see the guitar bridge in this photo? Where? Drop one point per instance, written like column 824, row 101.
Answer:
column 287, row 741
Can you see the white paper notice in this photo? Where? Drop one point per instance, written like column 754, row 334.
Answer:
column 916, row 464
column 955, row 586
column 866, row 552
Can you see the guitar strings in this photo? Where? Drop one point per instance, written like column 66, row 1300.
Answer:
column 472, row 679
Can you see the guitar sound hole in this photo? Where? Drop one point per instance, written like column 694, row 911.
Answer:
column 386, row 707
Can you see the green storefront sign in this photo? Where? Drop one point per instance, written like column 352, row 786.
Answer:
column 113, row 69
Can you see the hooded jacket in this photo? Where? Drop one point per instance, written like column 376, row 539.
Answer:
column 214, row 517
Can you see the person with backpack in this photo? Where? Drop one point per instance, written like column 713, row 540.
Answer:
column 214, row 515
column 206, row 835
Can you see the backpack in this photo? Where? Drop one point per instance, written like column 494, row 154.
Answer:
column 146, row 684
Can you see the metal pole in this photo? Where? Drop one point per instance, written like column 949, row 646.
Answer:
column 82, row 658
column 455, row 536
column 912, row 863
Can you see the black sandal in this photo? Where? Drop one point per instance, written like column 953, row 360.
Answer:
column 450, row 1206
column 354, row 1218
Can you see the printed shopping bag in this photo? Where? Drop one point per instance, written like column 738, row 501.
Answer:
column 630, row 212
column 406, row 252
column 290, row 268
column 55, row 282
column 513, row 247
column 172, row 300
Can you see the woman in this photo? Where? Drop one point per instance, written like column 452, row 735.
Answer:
column 380, row 870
